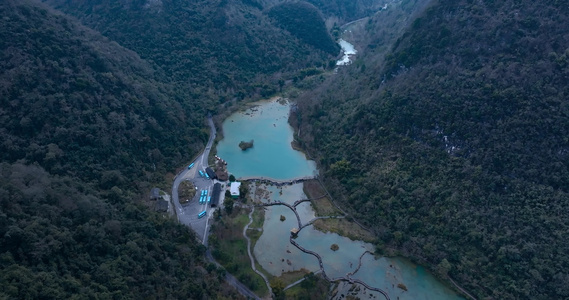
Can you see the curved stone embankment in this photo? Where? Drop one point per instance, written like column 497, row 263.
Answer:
column 289, row 206
column 300, row 227
column 359, row 264
column 297, row 202
column 346, row 278
column 274, row 181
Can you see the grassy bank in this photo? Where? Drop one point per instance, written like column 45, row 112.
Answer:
column 345, row 228
column 230, row 249
column 313, row 287
column 322, row 206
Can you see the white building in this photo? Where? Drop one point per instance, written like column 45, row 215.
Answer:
column 234, row 189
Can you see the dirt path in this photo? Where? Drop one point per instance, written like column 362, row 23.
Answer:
column 249, row 252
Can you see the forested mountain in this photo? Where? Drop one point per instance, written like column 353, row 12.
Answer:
column 339, row 11
column 90, row 121
column 454, row 146
column 347, row 11
column 71, row 99
column 304, row 21
column 85, row 126
column 219, row 49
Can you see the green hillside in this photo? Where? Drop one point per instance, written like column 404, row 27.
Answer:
column 304, row 21
column 348, row 10
column 78, row 104
column 454, row 146
column 85, row 126
column 218, row 49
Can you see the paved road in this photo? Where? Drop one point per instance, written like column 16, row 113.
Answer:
column 243, row 290
column 188, row 213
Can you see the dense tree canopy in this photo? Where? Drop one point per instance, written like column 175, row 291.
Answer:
column 304, row 21
column 218, row 50
column 85, row 127
column 453, row 145
column 59, row 239
column 78, row 104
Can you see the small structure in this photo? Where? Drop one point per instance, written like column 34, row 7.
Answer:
column 155, row 194
column 215, row 195
column 234, row 189
column 294, row 232
column 161, row 205
column 222, row 175
column 210, row 173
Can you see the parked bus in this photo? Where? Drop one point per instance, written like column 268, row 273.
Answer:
column 201, row 173
column 208, row 199
column 190, row 166
column 201, row 215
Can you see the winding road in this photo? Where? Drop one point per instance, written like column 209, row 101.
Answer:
column 187, row 213
column 240, row 287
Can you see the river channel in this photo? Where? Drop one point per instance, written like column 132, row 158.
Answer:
column 348, row 50
column 272, row 156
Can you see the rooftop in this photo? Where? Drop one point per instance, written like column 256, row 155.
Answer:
column 234, row 189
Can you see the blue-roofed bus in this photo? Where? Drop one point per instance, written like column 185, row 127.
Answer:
column 201, row 215
column 208, row 199
column 190, row 166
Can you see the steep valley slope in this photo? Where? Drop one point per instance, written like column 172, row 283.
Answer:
column 92, row 117
column 453, row 145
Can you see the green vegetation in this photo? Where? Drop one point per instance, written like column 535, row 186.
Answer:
column 322, row 206
column 186, row 191
column 60, row 238
column 228, row 204
column 347, row 11
column 344, row 227
column 244, row 191
column 313, row 287
column 304, row 21
column 334, row 247
column 277, row 285
column 453, row 145
column 217, row 51
column 230, row 249
column 87, row 128
column 79, row 105
column 245, row 145
column 258, row 218
column 283, row 218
